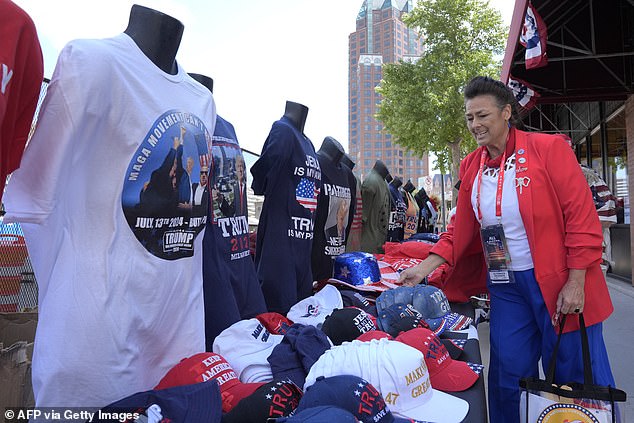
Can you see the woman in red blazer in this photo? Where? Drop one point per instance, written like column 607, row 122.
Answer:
column 531, row 186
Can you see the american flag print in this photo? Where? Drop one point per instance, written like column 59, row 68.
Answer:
column 306, row 194
column 525, row 95
column 204, row 157
column 533, row 37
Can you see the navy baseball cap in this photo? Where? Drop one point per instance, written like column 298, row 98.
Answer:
column 274, row 399
column 196, row 403
column 299, row 350
column 353, row 394
column 320, row 414
column 355, row 299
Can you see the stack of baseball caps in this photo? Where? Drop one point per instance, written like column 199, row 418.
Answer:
column 331, row 340
column 209, row 366
column 398, row 371
column 247, row 345
column 330, row 345
column 445, row 373
column 342, row 397
column 429, row 301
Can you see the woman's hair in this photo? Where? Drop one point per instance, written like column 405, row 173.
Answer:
column 484, row 85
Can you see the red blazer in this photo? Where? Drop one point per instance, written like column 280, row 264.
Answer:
column 561, row 223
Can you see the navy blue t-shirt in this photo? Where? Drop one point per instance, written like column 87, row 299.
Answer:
column 396, row 224
column 231, row 288
column 289, row 176
column 333, row 219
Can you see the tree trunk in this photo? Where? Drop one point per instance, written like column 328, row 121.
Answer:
column 455, row 167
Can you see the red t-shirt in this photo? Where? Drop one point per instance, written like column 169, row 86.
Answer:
column 21, row 73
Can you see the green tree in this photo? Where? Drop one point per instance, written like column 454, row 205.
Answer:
column 422, row 103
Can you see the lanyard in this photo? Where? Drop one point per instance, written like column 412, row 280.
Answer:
column 498, row 194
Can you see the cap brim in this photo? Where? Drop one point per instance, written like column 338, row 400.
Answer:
column 457, row 321
column 441, row 407
column 231, row 396
column 405, row 420
column 455, row 351
column 374, row 287
column 455, row 377
column 319, row 414
column 437, row 325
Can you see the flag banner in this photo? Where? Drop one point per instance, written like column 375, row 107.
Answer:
column 525, row 95
column 533, row 37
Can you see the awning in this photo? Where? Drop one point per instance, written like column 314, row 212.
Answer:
column 590, row 50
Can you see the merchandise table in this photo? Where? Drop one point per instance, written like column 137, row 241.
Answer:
column 475, row 396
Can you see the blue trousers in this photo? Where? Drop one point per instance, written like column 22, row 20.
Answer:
column 521, row 334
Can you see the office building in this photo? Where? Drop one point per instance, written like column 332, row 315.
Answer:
column 381, row 37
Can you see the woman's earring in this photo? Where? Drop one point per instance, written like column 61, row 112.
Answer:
column 508, row 123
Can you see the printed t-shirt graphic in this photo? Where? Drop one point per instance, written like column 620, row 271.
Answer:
column 289, row 176
column 231, row 287
column 396, row 225
column 411, row 215
column 335, row 209
column 157, row 192
column 112, row 312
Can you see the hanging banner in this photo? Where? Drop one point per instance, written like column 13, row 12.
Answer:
column 534, row 36
column 525, row 95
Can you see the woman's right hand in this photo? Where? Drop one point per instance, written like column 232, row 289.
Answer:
column 415, row 275
column 412, row 276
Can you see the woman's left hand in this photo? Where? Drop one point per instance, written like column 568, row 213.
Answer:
column 571, row 298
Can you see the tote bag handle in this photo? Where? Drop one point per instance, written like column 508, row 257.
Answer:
column 588, row 379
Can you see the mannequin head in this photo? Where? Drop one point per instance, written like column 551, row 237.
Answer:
column 297, row 114
column 331, row 149
column 409, row 186
column 347, row 161
column 157, row 35
column 381, row 169
column 422, row 195
column 205, row 80
column 397, row 182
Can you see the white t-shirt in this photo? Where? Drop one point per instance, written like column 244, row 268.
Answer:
column 117, row 263
column 514, row 230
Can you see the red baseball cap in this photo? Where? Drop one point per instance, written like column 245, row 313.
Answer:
column 274, row 322
column 445, row 373
column 202, row 367
column 374, row 334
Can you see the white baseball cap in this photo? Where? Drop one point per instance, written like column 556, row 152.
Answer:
column 314, row 310
column 400, row 374
column 246, row 345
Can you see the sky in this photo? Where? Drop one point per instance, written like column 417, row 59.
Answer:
column 260, row 53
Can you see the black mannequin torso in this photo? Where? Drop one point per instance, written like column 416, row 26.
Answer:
column 397, row 182
column 157, row 35
column 332, row 150
column 297, row 114
column 205, row 80
column 381, row 169
column 347, row 161
column 409, row 187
